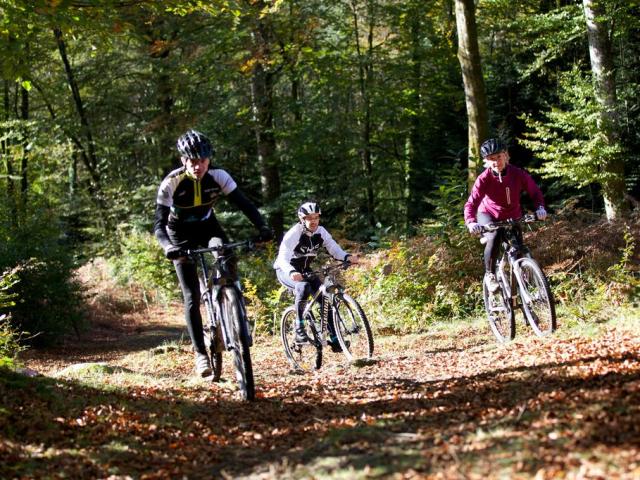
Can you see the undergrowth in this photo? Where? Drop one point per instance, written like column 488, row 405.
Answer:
column 435, row 277
column 593, row 266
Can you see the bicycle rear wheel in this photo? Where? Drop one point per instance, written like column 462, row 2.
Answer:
column 537, row 300
column 352, row 328
column 307, row 356
column 238, row 333
column 499, row 308
column 213, row 339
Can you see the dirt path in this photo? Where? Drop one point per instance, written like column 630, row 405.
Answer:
column 450, row 404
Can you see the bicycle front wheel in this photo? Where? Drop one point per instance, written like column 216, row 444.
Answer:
column 238, row 333
column 352, row 328
column 213, row 338
column 499, row 308
column 537, row 300
column 306, row 356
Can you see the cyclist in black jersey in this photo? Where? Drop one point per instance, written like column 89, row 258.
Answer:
column 185, row 219
column 299, row 247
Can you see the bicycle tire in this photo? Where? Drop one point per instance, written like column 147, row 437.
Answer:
column 305, row 357
column 238, row 333
column 352, row 328
column 213, row 340
column 537, row 300
column 500, row 313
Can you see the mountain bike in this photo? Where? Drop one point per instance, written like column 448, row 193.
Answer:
column 329, row 305
column 227, row 327
column 522, row 283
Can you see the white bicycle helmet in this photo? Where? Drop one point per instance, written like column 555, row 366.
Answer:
column 308, row 208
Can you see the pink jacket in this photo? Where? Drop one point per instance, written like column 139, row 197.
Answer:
column 500, row 197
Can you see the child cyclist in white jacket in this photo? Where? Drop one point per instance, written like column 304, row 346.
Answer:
column 298, row 250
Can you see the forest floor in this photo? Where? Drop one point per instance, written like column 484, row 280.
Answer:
column 121, row 401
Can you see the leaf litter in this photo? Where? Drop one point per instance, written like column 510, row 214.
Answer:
column 563, row 407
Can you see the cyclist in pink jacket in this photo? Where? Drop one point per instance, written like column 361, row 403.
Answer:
column 496, row 196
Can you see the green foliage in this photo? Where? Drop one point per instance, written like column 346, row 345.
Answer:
column 413, row 284
column 592, row 274
column 148, row 70
column 141, row 264
column 624, row 279
column 9, row 337
column 426, row 279
column 47, row 298
column 569, row 139
column 446, row 224
column 261, row 288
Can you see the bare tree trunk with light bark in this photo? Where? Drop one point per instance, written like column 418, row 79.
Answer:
column 475, row 96
column 613, row 187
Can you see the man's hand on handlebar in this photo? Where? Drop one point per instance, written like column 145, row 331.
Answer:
column 173, row 252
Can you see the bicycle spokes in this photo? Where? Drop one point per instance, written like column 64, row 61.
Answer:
column 499, row 313
column 537, row 300
column 352, row 328
column 239, row 342
column 302, row 356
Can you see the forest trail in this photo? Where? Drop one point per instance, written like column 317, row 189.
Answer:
column 449, row 404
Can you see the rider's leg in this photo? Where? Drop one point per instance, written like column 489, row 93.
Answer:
column 301, row 290
column 491, row 247
column 191, row 236
column 333, row 339
column 189, row 283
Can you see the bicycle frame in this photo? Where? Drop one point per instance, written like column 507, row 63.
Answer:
column 514, row 252
column 327, row 292
column 338, row 314
column 213, row 279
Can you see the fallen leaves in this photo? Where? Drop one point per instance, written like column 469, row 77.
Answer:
column 559, row 408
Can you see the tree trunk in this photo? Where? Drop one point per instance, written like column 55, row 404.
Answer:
column 365, row 69
column 295, row 76
column 160, row 36
column 475, row 96
column 24, row 115
column 417, row 170
column 11, row 194
column 262, row 104
column 89, row 156
column 613, row 187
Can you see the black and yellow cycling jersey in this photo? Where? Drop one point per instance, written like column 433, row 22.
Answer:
column 190, row 199
column 184, row 206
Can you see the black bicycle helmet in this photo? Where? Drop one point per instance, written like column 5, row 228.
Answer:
column 492, row 146
column 194, row 145
column 307, row 208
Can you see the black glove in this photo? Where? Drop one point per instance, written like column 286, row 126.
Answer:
column 172, row 252
column 266, row 234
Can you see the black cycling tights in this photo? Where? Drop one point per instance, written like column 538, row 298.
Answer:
column 301, row 291
column 192, row 236
column 492, row 245
column 188, row 278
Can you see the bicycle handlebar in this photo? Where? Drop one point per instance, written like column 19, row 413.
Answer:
column 338, row 265
column 492, row 227
column 249, row 244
